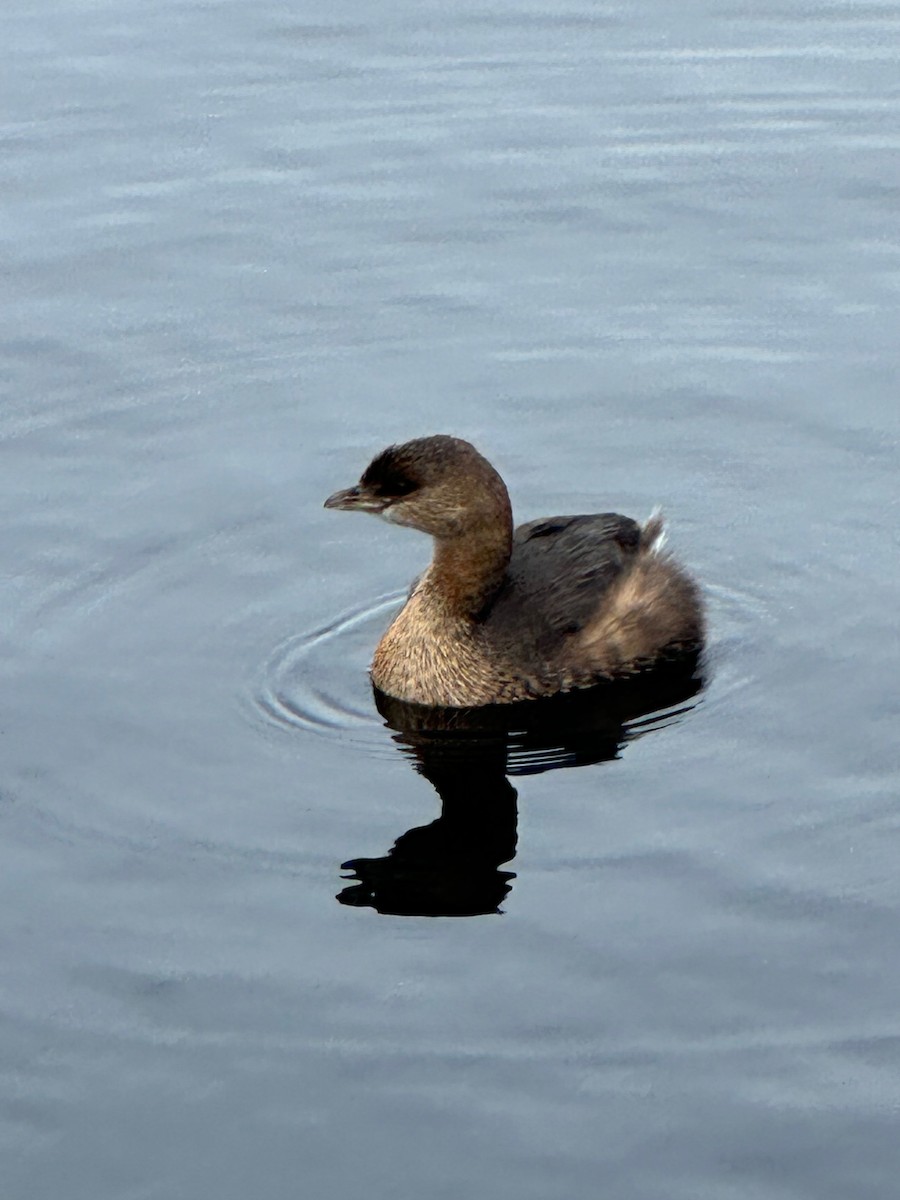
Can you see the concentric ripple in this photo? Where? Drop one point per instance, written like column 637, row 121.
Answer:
column 735, row 617
column 318, row 681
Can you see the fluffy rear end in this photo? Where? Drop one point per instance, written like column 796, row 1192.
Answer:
column 652, row 611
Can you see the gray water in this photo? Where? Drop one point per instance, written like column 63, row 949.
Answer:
column 639, row 254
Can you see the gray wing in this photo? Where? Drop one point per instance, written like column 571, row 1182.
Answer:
column 559, row 570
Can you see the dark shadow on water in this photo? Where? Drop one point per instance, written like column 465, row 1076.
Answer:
column 451, row 868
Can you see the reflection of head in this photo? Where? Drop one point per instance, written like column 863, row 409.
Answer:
column 450, row 867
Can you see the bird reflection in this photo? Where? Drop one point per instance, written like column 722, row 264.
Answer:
column 452, row 867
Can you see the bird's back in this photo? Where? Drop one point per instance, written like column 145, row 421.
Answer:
column 581, row 596
column 559, row 570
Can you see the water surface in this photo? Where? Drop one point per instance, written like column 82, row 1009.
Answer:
column 638, row 255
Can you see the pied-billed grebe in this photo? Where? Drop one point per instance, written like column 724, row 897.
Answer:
column 501, row 616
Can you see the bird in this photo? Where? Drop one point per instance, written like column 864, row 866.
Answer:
column 505, row 614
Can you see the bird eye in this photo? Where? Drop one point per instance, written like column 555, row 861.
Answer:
column 400, row 487
column 387, row 478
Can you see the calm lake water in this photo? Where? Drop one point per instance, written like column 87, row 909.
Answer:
column 638, row 254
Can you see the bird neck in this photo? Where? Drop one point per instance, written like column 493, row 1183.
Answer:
column 468, row 570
